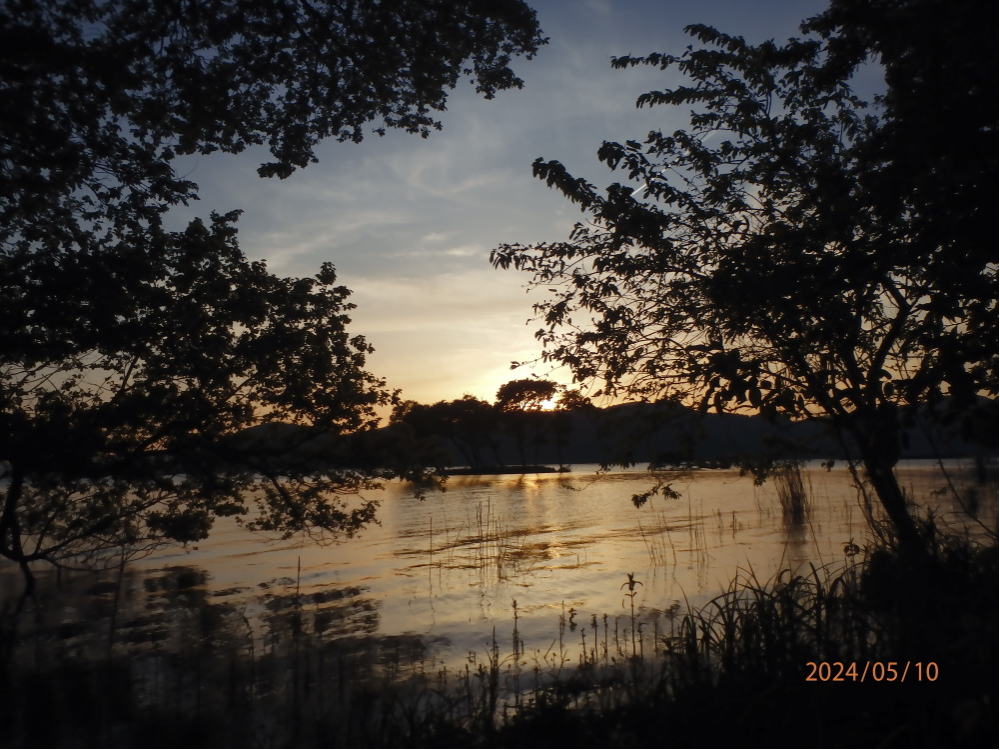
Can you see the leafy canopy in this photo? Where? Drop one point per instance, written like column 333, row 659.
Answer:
column 131, row 356
column 99, row 96
column 764, row 261
column 525, row 394
column 795, row 250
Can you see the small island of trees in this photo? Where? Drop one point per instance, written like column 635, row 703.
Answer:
column 801, row 273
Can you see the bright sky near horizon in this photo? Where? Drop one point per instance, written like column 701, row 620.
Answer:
column 409, row 223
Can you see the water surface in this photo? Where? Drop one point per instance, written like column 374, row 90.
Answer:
column 549, row 554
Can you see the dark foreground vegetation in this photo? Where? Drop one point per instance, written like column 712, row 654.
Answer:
column 825, row 260
column 730, row 673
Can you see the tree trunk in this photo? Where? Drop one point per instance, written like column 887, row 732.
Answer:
column 879, row 470
column 10, row 529
column 878, row 434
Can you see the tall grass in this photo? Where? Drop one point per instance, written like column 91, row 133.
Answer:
column 729, row 672
column 485, row 542
column 733, row 672
column 792, row 495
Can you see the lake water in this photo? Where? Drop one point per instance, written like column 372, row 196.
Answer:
column 549, row 554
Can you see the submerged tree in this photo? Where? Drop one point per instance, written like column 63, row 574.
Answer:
column 467, row 424
column 525, row 394
column 129, row 353
column 796, row 250
column 521, row 403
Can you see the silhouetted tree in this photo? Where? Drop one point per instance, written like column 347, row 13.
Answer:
column 795, row 250
column 423, row 421
column 520, row 403
column 467, row 424
column 570, row 399
column 127, row 351
column 474, row 424
column 561, row 420
column 526, row 394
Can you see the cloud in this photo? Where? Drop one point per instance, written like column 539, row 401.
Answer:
column 299, row 248
column 443, row 335
column 601, row 7
column 409, row 222
column 465, row 299
column 434, row 237
column 464, row 251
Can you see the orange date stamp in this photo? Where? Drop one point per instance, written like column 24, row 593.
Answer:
column 871, row 671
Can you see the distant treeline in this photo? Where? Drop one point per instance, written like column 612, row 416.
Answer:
column 470, row 432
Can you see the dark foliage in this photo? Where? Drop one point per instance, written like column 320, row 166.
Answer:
column 526, row 394
column 796, row 251
column 731, row 673
column 129, row 351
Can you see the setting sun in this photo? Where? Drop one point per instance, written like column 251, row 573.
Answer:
column 410, row 374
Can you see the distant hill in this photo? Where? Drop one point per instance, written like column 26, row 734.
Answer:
column 625, row 433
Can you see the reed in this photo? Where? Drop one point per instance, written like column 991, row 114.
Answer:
column 607, row 679
column 792, row 495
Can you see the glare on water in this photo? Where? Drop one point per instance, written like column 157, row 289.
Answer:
column 544, row 552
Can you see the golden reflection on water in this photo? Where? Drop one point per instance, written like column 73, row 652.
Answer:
column 449, row 568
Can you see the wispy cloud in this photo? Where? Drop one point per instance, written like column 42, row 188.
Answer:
column 409, row 222
column 299, row 248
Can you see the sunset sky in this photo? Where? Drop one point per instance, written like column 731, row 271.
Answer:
column 409, row 223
